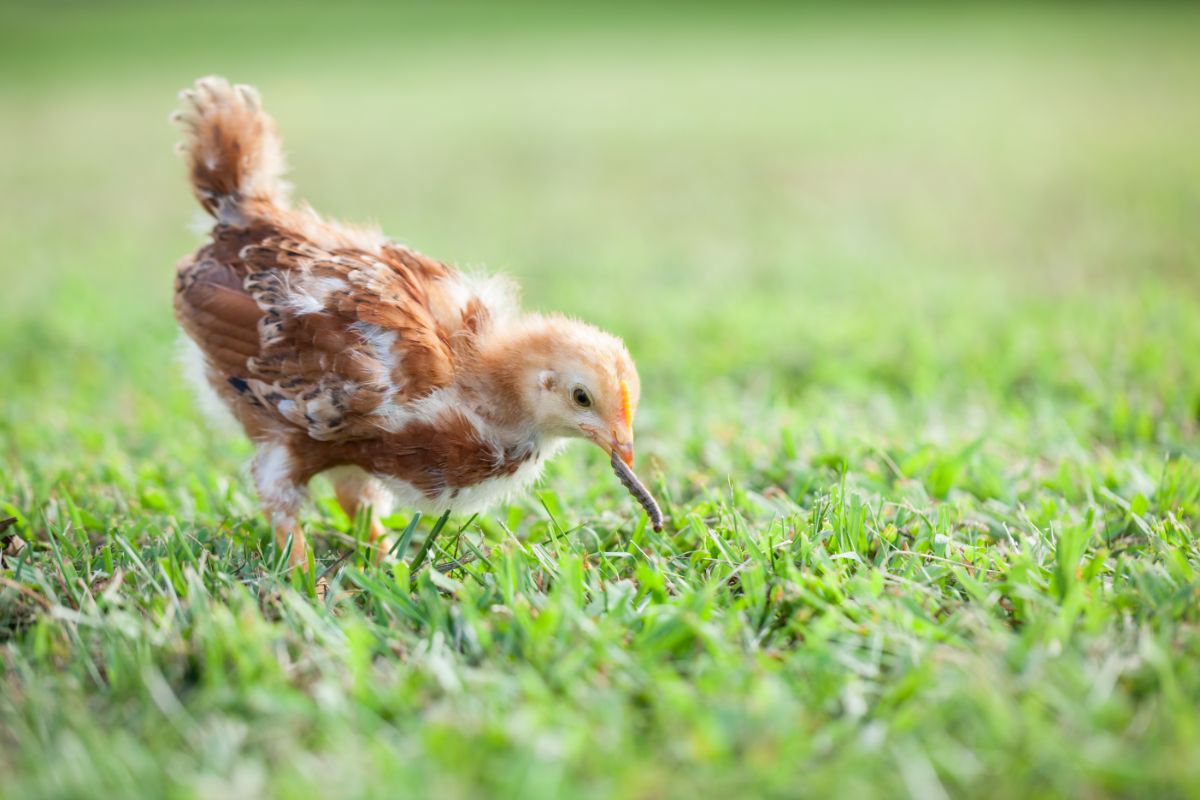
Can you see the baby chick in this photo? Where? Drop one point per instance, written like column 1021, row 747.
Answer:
column 340, row 351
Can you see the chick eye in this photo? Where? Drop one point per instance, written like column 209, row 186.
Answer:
column 581, row 397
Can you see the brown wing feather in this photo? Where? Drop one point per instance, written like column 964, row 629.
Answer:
column 325, row 341
column 221, row 319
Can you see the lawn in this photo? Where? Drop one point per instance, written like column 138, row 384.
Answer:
column 915, row 298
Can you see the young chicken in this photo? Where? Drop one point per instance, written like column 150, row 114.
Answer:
column 342, row 352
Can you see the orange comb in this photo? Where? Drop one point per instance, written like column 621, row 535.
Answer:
column 626, row 406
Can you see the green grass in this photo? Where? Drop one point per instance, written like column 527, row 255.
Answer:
column 916, row 303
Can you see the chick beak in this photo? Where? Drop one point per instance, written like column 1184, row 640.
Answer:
column 623, row 449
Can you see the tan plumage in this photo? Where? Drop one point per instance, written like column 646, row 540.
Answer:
column 340, row 351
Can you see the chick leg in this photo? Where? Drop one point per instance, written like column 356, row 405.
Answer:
column 281, row 498
column 356, row 490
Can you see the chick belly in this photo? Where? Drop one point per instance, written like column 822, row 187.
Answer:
column 477, row 497
column 217, row 410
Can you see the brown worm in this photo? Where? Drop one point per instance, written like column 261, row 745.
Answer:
column 639, row 491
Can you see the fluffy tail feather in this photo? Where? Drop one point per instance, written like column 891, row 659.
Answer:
column 233, row 152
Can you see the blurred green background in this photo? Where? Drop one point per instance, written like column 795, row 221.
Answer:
column 759, row 192
column 862, row 219
column 931, row 257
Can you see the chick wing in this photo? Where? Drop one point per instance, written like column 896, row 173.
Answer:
column 334, row 342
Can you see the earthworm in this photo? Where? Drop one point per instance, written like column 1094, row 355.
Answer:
column 638, row 490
